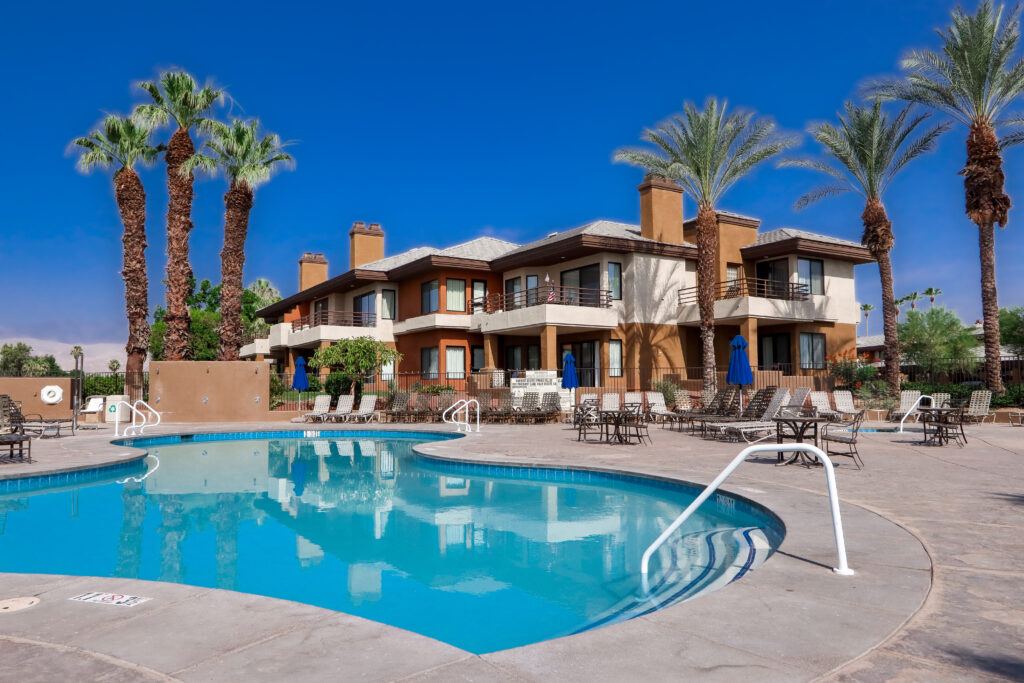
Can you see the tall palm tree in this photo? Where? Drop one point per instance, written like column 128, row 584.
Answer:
column 706, row 152
column 973, row 80
column 912, row 298
column 248, row 161
column 870, row 148
column 867, row 308
column 931, row 293
column 177, row 98
column 123, row 142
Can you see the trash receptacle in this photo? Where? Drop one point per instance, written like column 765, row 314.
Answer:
column 115, row 411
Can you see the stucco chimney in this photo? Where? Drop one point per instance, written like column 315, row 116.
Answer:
column 661, row 210
column 366, row 244
column 312, row 270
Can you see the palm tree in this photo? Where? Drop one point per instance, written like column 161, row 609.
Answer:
column 122, row 142
column 931, row 293
column 870, row 148
column 177, row 98
column 867, row 308
column 897, row 303
column 706, row 152
column 973, row 80
column 248, row 161
column 912, row 299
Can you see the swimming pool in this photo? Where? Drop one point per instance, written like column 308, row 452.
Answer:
column 481, row 557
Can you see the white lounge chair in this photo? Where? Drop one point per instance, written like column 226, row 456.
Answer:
column 366, row 411
column 321, row 406
column 844, row 402
column 822, row 406
column 610, row 401
column 657, row 409
column 634, row 397
column 941, row 400
column 978, row 408
column 797, row 399
column 93, row 410
column 908, row 400
column 343, row 408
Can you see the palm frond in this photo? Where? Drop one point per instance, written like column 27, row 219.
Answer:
column 122, row 141
column 177, row 97
column 240, row 152
column 818, row 194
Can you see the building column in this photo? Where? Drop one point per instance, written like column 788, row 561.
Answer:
column 324, row 371
column 290, row 360
column 748, row 328
column 490, row 352
column 549, row 348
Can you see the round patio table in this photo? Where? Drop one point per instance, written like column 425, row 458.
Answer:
column 799, row 426
column 612, row 422
column 932, row 416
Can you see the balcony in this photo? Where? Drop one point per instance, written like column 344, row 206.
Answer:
column 336, row 318
column 769, row 300
column 253, row 345
column 527, row 311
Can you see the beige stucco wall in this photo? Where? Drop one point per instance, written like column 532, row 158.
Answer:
column 26, row 390
column 650, row 288
column 210, row 391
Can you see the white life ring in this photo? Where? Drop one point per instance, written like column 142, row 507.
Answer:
column 51, row 394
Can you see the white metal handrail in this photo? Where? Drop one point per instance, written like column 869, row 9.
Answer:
column 833, row 496
column 138, row 480
column 136, row 414
column 914, row 407
column 152, row 412
column 453, row 412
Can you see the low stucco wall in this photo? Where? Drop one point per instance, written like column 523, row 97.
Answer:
column 26, row 390
column 210, row 391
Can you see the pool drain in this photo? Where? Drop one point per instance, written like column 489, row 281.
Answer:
column 15, row 604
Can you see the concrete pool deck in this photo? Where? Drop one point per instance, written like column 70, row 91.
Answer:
column 933, row 533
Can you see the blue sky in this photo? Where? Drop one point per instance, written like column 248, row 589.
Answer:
column 443, row 121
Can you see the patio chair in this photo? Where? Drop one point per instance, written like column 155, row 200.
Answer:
column 840, row 438
column 761, row 429
column 707, row 397
column 908, row 398
column 657, row 411
column 501, row 411
column 941, row 400
column 634, row 423
column 822, row 406
column 587, row 418
column 420, row 409
column 978, row 408
column 683, row 407
column 445, row 400
column 343, row 408
column 399, row 404
column 588, row 397
column 950, row 427
column 844, row 402
column 321, row 406
column 526, row 410
column 366, row 411
column 754, row 410
column 610, row 401
column 93, row 410
column 549, row 407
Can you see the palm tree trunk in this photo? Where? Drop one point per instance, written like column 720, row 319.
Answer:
column 878, row 239
column 986, row 205
column 707, row 249
column 179, row 225
column 237, row 205
column 131, row 202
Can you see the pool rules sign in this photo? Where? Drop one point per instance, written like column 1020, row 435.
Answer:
column 111, row 599
column 542, row 381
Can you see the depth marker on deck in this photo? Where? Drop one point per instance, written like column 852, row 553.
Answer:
column 111, row 599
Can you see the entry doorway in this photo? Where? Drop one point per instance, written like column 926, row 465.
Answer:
column 588, row 361
column 774, row 352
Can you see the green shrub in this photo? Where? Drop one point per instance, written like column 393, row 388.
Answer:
column 875, row 394
column 420, row 388
column 668, row 389
column 338, row 383
column 1014, row 396
column 103, row 385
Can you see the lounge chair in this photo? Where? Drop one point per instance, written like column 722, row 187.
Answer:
column 502, row 411
column 420, row 408
column 941, row 400
column 610, row 401
column 843, row 435
column 321, row 406
column 657, row 411
column 93, row 410
column 634, row 397
column 548, row 408
column 978, row 408
column 527, row 409
column 822, row 406
column 908, row 400
column 587, row 397
column 759, row 430
column 844, row 402
column 753, row 411
column 399, row 404
column 798, row 399
column 445, row 400
column 366, row 410
column 341, row 409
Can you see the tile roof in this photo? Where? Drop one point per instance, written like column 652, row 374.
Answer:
column 870, row 340
column 793, row 233
column 397, row 260
column 601, row 228
column 481, row 248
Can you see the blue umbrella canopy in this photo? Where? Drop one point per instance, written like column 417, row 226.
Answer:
column 570, row 380
column 739, row 363
column 300, row 382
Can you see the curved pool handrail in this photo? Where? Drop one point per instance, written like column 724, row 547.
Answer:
column 136, row 414
column 914, row 407
column 833, row 496
column 449, row 410
column 148, row 472
column 152, row 411
column 453, row 412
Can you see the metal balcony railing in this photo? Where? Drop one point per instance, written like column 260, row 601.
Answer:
column 750, row 286
column 547, row 294
column 249, row 337
column 339, row 318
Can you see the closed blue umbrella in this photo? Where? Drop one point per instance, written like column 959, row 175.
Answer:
column 739, row 364
column 300, row 382
column 569, row 378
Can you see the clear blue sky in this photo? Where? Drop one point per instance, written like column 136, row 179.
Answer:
column 443, row 121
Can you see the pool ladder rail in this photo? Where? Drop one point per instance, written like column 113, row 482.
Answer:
column 833, row 496
column 139, row 419
column 931, row 401
column 462, row 408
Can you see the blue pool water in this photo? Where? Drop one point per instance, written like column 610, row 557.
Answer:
column 484, row 558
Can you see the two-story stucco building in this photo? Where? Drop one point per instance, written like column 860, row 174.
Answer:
column 618, row 296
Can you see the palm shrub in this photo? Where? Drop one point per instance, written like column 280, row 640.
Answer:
column 706, row 151
column 177, row 98
column 974, row 80
column 248, row 160
column 866, row 150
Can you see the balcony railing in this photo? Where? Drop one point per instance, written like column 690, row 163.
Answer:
column 548, row 294
column 339, row 318
column 249, row 337
column 750, row 286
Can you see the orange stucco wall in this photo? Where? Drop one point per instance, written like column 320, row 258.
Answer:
column 409, row 304
column 210, row 391
column 26, row 390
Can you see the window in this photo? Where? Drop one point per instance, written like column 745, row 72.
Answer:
column 587, row 280
column 615, row 358
column 533, row 357
column 428, row 363
column 513, row 292
column 479, row 296
column 812, row 351
column 455, row 362
column 531, row 290
column 732, row 277
column 428, row 297
column 772, row 279
column 364, row 306
column 811, row 272
column 615, row 280
column 514, row 358
column 320, row 305
column 388, row 308
column 387, row 371
column 774, row 352
column 455, row 295
column 476, row 358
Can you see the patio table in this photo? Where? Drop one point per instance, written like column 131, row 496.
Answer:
column 798, row 426
column 932, row 416
column 611, row 425
column 16, row 440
